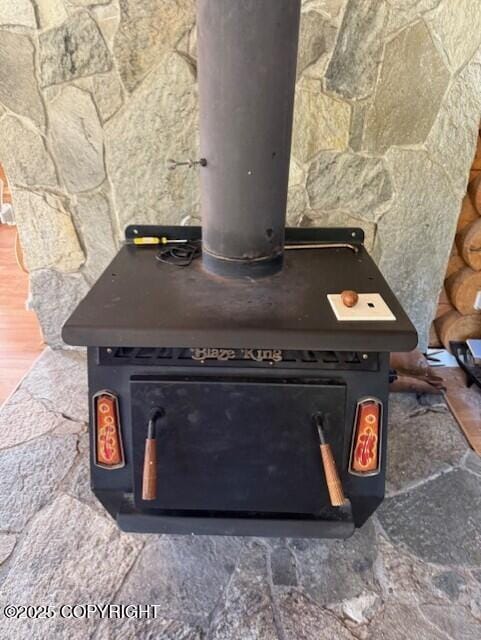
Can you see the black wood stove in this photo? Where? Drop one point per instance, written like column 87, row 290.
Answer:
column 233, row 389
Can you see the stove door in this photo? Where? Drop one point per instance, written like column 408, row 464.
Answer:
column 237, row 446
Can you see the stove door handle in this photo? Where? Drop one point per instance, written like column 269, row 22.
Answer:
column 149, row 477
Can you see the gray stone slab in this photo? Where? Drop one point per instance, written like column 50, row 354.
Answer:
column 7, row 545
column 24, row 155
column 405, row 12
column 302, row 619
column 50, row 13
column 159, row 122
column 330, row 8
column 297, row 205
column 29, row 475
column 77, row 482
column 417, row 229
column 358, row 118
column 18, row 85
column 108, row 94
column 358, row 611
column 402, row 406
column 106, row 90
column 246, row 612
column 283, row 567
column 59, row 381
column 69, row 555
column 400, row 621
column 320, row 122
column 352, row 71
column 439, row 521
column 155, row 629
column 451, row 583
column 417, row 450
column 411, row 86
column 405, row 578
column 451, row 145
column 87, row 3
column 333, row 571
column 94, row 221
column 18, row 13
column 454, row 622
column 72, row 50
column 54, row 296
column 185, row 576
column 316, row 39
column 148, row 29
column 77, row 139
column 458, row 27
column 349, row 182
column 473, row 462
column 25, row 418
column 48, row 238
column 107, row 16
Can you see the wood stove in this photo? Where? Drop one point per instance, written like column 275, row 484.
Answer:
column 215, row 381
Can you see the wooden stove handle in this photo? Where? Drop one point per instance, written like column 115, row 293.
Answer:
column 149, row 478
column 334, row 486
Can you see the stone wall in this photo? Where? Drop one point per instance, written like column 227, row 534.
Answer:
column 96, row 95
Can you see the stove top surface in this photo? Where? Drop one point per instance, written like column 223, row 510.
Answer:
column 139, row 301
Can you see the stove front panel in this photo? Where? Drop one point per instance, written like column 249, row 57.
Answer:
column 237, row 446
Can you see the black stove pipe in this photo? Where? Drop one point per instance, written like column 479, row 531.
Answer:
column 247, row 55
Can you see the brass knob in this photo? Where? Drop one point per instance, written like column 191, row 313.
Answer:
column 349, row 298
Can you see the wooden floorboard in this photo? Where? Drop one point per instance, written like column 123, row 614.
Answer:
column 465, row 404
column 20, row 337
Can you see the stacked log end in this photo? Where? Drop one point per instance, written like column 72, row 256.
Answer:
column 456, row 263
column 468, row 242
column 463, row 288
column 458, row 316
column 468, row 213
column 453, row 326
column 477, row 158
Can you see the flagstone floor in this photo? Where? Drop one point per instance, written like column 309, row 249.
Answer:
column 413, row 571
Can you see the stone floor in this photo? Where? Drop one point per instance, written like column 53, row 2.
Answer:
column 414, row 571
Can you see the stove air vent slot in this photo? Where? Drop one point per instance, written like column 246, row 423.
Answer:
column 330, row 357
column 158, row 356
column 136, row 354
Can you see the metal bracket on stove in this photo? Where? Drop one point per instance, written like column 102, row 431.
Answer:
column 352, row 236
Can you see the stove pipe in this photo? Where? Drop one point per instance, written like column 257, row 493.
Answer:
column 247, row 55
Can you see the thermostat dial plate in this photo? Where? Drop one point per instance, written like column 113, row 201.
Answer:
column 370, row 307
